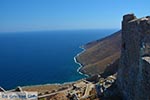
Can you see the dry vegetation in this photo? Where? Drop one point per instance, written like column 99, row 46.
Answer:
column 100, row 53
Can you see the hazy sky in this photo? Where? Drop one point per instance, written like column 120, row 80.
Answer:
column 34, row 15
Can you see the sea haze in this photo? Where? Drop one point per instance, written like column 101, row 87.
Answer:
column 32, row 58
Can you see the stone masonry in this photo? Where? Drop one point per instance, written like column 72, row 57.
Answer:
column 134, row 68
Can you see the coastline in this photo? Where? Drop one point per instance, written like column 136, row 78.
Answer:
column 65, row 83
column 78, row 70
column 80, row 65
column 48, row 87
column 48, row 84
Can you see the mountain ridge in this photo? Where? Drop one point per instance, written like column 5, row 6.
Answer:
column 107, row 51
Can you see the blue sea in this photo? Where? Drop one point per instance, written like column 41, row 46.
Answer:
column 35, row 58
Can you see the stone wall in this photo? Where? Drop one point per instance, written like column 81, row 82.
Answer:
column 134, row 71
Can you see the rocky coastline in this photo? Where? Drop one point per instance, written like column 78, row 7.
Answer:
column 80, row 64
column 126, row 73
column 99, row 54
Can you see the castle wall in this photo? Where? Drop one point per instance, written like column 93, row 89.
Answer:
column 131, row 74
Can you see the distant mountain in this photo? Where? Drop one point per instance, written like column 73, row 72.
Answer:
column 100, row 53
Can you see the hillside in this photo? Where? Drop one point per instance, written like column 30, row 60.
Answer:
column 100, row 53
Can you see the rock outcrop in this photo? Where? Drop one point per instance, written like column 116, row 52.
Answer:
column 134, row 68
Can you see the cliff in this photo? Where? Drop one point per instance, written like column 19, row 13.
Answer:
column 133, row 75
column 134, row 68
column 99, row 54
column 124, row 58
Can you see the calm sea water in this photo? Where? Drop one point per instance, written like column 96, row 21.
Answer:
column 32, row 58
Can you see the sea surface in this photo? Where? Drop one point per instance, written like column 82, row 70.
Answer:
column 34, row 58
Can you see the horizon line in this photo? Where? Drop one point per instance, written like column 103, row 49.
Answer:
column 59, row 30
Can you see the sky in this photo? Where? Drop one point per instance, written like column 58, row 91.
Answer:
column 40, row 15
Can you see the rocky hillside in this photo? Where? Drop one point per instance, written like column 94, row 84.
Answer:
column 100, row 54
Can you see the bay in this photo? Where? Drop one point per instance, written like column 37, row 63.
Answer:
column 33, row 58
